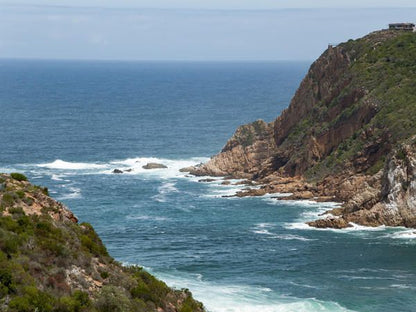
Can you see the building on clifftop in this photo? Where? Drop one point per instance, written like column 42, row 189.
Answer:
column 402, row 26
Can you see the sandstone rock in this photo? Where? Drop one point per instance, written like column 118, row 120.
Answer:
column 336, row 223
column 298, row 196
column 251, row 192
column 247, row 152
column 154, row 166
column 187, row 169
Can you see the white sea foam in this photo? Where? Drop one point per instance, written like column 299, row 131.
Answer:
column 65, row 165
column 57, row 177
column 74, row 193
column 129, row 166
column 357, row 227
column 135, row 166
column 406, row 234
column 164, row 190
column 402, row 286
column 145, row 217
column 262, row 229
column 238, row 298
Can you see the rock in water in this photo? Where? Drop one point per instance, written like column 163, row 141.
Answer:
column 154, row 166
column 117, row 171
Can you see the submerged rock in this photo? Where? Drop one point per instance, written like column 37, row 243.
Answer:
column 207, row 180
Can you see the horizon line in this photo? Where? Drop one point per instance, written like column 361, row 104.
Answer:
column 66, row 6
column 5, row 58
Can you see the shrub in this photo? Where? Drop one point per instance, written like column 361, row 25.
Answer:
column 16, row 211
column 112, row 299
column 32, row 300
column 104, row 274
column 20, row 194
column 8, row 199
column 18, row 176
column 92, row 242
column 190, row 305
column 6, row 282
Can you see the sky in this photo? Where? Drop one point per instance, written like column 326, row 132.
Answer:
column 189, row 30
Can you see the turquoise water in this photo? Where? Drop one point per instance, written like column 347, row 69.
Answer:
column 67, row 125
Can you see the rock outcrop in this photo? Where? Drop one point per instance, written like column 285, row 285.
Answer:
column 344, row 137
column 248, row 152
column 149, row 166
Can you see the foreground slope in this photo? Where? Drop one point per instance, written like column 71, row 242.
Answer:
column 49, row 262
column 347, row 135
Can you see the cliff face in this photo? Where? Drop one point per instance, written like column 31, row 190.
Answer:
column 341, row 133
column 49, row 262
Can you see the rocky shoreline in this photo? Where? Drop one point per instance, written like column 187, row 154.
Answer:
column 339, row 139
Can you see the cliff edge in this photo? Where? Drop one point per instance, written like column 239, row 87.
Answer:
column 347, row 135
column 49, row 262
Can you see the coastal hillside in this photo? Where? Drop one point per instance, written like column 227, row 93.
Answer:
column 347, row 135
column 50, row 262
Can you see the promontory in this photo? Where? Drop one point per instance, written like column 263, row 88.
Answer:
column 348, row 135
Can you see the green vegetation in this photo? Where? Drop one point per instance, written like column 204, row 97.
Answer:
column 18, row 176
column 49, row 263
column 372, row 112
column 247, row 134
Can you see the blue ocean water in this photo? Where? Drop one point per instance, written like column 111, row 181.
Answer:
column 68, row 124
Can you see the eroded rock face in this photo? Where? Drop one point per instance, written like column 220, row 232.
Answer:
column 318, row 85
column 248, row 152
column 399, row 185
column 391, row 202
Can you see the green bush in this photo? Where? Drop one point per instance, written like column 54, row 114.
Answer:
column 18, row 176
column 6, row 282
column 104, row 274
column 32, row 300
column 16, row 211
column 91, row 241
column 8, row 199
column 190, row 305
column 113, row 299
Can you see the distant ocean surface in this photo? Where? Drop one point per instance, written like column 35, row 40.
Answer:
column 67, row 125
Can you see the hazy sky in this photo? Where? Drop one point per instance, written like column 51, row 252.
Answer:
column 189, row 30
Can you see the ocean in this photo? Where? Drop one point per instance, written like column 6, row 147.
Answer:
column 68, row 124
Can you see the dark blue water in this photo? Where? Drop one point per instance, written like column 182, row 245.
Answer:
column 67, row 125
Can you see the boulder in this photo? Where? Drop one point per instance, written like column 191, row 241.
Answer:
column 154, row 166
column 207, row 180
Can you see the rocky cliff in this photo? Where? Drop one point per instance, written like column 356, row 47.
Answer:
column 248, row 152
column 49, row 262
column 351, row 118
